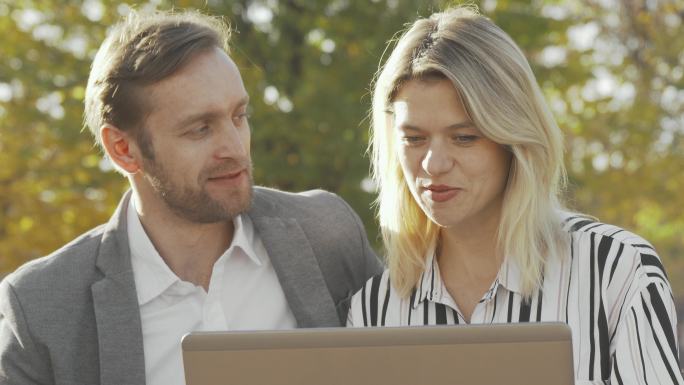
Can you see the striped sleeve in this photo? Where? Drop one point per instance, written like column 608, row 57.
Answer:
column 645, row 341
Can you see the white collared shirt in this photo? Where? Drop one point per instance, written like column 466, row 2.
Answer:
column 611, row 290
column 244, row 294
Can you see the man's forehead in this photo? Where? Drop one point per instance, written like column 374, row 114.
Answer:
column 212, row 63
column 209, row 72
column 209, row 85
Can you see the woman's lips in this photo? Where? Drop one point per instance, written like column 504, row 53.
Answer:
column 441, row 193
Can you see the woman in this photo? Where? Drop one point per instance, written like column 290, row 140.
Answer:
column 469, row 163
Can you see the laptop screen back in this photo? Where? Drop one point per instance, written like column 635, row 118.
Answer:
column 530, row 354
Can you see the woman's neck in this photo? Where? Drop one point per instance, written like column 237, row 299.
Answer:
column 469, row 262
column 470, row 255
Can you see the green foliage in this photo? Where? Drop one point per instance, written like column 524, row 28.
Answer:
column 51, row 188
column 613, row 78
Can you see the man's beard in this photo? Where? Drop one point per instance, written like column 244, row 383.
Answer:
column 196, row 204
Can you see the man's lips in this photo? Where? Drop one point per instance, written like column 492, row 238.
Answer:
column 227, row 176
column 440, row 193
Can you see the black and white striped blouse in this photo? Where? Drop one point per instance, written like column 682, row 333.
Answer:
column 613, row 293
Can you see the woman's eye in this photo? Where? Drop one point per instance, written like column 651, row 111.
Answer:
column 465, row 139
column 412, row 139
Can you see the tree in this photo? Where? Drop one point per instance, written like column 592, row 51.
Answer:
column 51, row 185
column 612, row 73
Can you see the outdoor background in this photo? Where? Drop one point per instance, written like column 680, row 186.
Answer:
column 612, row 72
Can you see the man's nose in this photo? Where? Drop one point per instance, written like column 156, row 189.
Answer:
column 231, row 142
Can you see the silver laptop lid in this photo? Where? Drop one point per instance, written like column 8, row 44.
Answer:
column 530, row 354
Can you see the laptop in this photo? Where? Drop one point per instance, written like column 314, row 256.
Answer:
column 512, row 354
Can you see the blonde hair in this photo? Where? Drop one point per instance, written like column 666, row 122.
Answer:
column 501, row 97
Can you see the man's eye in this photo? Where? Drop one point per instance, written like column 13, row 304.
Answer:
column 241, row 118
column 198, row 132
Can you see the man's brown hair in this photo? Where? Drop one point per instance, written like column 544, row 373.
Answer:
column 141, row 50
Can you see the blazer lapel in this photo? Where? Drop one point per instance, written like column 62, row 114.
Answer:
column 296, row 266
column 116, row 307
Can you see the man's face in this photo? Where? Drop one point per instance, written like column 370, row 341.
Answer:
column 197, row 159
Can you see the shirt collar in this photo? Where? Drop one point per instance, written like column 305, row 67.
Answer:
column 244, row 237
column 430, row 285
column 153, row 276
column 509, row 275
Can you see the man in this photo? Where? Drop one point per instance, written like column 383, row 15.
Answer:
column 192, row 246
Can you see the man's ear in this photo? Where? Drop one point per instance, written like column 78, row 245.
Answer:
column 120, row 148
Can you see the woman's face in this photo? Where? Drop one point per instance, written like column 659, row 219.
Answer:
column 456, row 175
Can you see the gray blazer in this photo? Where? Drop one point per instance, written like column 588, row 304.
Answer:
column 72, row 317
